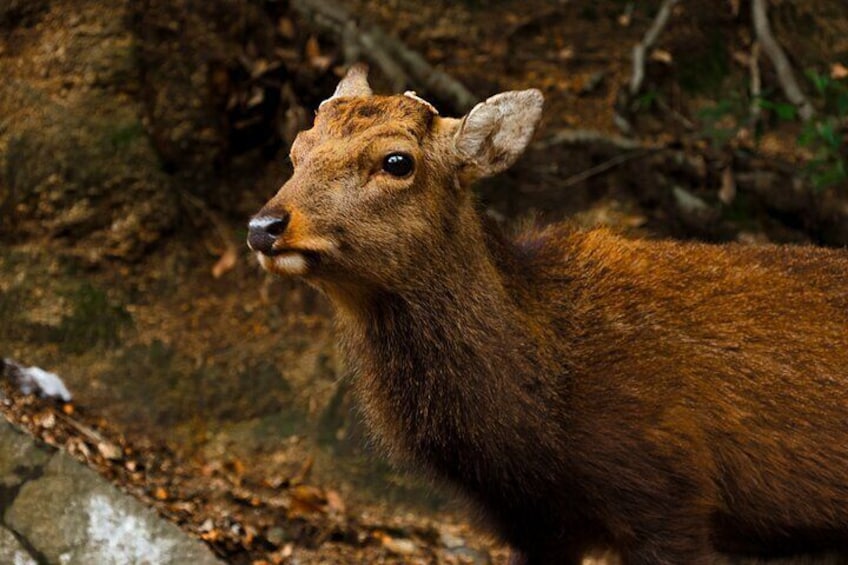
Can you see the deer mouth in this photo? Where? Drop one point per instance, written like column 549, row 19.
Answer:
column 289, row 261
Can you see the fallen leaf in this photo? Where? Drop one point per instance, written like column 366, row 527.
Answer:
column 306, row 500
column 259, row 67
column 225, row 262
column 450, row 540
column 335, row 504
column 399, row 546
column 661, row 56
column 565, row 54
column 314, row 56
column 285, row 27
column 47, row 421
column 110, row 451
column 257, row 96
column 626, row 17
column 210, row 536
column 838, row 71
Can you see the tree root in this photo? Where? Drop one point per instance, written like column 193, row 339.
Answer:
column 402, row 66
column 640, row 50
column 775, row 53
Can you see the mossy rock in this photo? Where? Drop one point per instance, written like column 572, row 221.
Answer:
column 87, row 176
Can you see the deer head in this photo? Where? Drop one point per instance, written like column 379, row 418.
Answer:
column 381, row 184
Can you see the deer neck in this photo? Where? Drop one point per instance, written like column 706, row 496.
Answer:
column 438, row 365
column 453, row 293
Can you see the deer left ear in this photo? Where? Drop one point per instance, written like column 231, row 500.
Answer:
column 496, row 132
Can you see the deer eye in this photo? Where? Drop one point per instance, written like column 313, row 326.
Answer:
column 398, row 164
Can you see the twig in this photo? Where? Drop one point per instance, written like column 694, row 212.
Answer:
column 756, row 83
column 589, row 136
column 107, row 449
column 675, row 115
column 778, row 58
column 641, row 49
column 605, row 166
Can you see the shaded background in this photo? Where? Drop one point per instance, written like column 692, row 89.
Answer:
column 136, row 138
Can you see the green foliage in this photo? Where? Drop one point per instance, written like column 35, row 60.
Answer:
column 783, row 110
column 645, row 101
column 825, row 135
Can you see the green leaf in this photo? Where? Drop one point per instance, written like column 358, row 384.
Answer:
column 821, row 82
column 828, row 134
column 784, row 110
column 807, row 136
column 829, row 177
column 842, row 104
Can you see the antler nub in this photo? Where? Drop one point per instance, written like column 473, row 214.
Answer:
column 414, row 96
column 354, row 83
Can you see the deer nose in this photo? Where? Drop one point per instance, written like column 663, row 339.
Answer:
column 263, row 231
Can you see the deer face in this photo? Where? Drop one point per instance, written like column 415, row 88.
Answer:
column 380, row 183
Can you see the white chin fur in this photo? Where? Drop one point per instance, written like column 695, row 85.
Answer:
column 285, row 264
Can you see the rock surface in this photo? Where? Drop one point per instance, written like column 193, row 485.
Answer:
column 53, row 510
column 123, row 121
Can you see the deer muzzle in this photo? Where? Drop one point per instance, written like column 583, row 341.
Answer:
column 263, row 232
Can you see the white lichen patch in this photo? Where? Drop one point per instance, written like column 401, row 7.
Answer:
column 36, row 380
column 21, row 558
column 118, row 538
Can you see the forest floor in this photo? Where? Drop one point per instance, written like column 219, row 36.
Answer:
column 207, row 338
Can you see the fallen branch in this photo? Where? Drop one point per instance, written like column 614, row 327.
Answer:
column 402, row 66
column 603, row 167
column 778, row 58
column 641, row 49
column 589, row 137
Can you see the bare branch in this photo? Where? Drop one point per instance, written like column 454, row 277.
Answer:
column 641, row 49
column 589, row 137
column 778, row 58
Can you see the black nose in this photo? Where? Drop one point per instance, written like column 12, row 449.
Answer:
column 263, row 231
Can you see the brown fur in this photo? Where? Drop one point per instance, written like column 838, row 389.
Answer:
column 673, row 402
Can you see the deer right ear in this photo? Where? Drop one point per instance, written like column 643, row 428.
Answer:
column 496, row 132
column 354, row 83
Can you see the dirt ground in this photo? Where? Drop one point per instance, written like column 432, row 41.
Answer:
column 220, row 400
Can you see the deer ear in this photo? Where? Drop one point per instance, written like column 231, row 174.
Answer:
column 354, row 83
column 496, row 132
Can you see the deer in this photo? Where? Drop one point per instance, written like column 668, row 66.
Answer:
column 671, row 402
